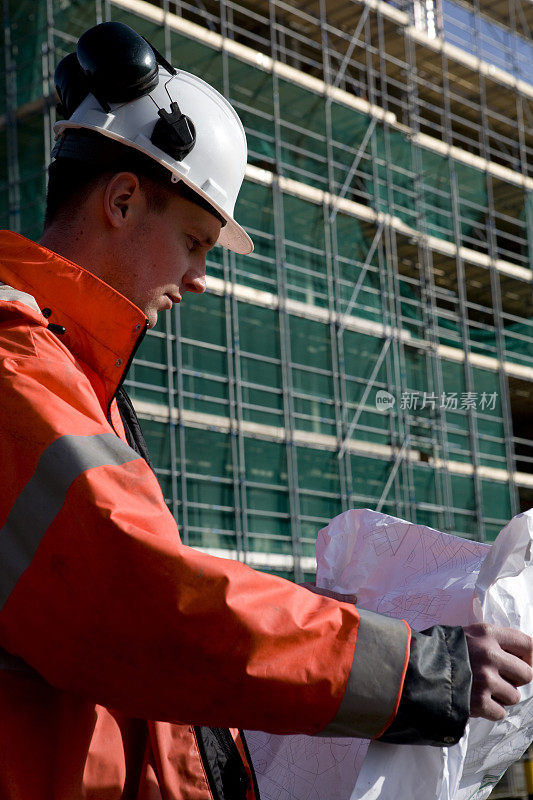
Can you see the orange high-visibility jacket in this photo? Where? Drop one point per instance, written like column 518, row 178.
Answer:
column 107, row 620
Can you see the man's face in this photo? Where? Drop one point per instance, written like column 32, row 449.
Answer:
column 165, row 256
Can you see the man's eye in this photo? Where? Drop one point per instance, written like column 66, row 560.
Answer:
column 192, row 243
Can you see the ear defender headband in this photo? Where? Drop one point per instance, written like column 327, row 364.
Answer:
column 118, row 65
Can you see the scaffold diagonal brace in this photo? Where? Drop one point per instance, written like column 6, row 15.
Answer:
column 355, row 164
column 351, row 46
column 394, row 470
column 366, row 265
column 361, row 405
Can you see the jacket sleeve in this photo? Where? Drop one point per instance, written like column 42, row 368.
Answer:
column 438, row 679
column 99, row 595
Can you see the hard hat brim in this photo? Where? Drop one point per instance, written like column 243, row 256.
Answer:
column 232, row 235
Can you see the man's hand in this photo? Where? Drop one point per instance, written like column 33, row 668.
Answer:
column 501, row 659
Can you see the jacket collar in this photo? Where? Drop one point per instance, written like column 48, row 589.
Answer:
column 102, row 327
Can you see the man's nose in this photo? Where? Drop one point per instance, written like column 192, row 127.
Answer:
column 194, row 280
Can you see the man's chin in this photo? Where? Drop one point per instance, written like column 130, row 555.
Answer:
column 152, row 317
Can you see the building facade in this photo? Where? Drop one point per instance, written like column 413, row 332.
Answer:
column 376, row 349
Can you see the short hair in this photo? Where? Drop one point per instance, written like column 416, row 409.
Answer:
column 69, row 185
column 84, row 159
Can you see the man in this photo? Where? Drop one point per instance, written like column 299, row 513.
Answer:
column 122, row 650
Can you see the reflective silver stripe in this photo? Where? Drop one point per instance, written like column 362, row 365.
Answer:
column 8, row 293
column 42, row 498
column 375, row 678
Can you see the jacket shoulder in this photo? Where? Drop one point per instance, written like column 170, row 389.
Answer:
column 22, row 325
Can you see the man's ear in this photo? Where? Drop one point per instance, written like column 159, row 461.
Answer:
column 122, row 196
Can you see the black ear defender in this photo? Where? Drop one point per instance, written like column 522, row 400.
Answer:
column 71, row 85
column 116, row 64
column 113, row 62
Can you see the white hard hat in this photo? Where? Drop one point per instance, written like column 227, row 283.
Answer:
column 215, row 160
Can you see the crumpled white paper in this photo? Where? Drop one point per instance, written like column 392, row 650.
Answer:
column 425, row 577
column 503, row 595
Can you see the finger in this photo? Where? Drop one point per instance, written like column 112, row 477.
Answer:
column 514, row 670
column 487, row 708
column 515, row 642
column 504, row 693
column 489, row 697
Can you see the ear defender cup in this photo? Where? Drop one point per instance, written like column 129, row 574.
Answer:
column 113, row 62
column 71, row 85
column 118, row 64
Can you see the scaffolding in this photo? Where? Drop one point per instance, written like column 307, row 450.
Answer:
column 376, row 349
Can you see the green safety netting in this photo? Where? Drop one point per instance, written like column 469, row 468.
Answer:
column 27, row 24
column 257, row 362
column 257, row 504
column 311, row 265
column 257, row 336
